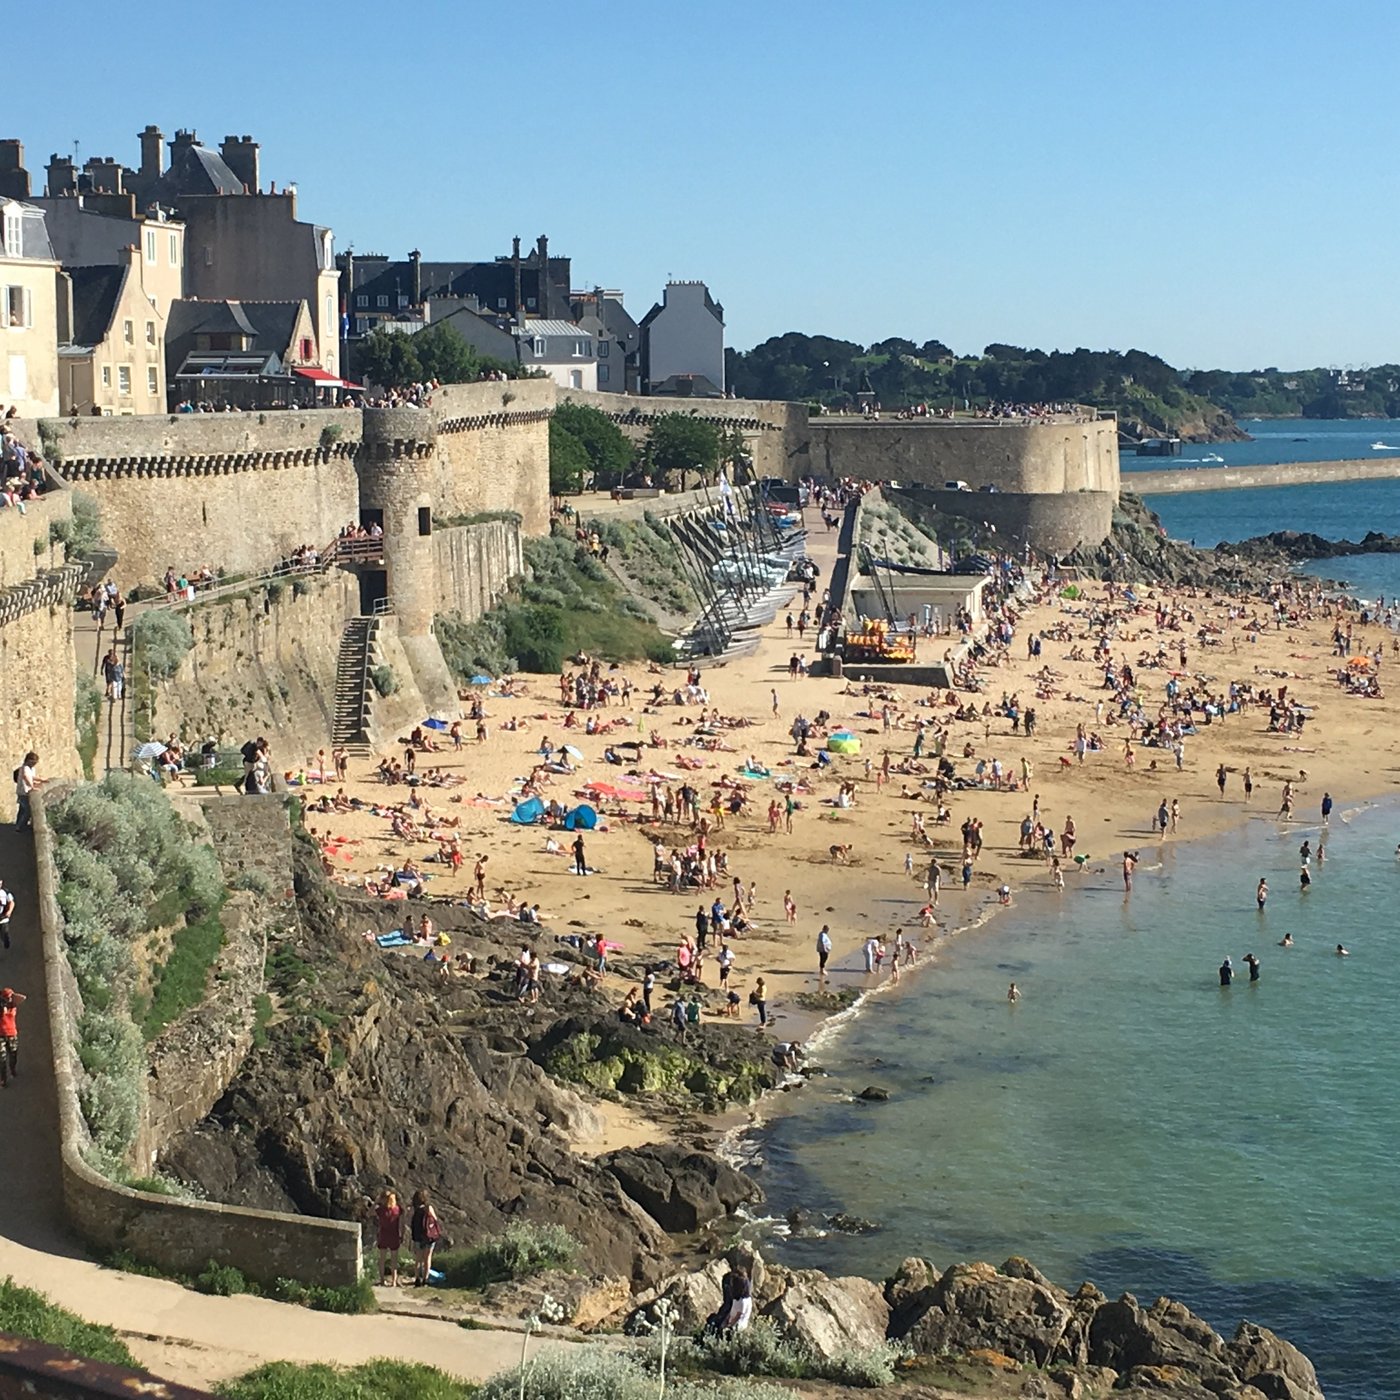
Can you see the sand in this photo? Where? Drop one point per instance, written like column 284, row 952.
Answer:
column 1348, row 749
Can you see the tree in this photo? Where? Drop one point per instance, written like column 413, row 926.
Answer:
column 735, row 450
column 680, row 443
column 609, row 452
column 445, row 356
column 568, row 459
column 388, row 359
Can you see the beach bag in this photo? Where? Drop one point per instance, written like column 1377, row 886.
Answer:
column 753, row 998
column 432, row 1231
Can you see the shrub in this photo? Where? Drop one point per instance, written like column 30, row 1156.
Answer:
column 350, row 1298
column 161, row 640
column 520, row 1251
column 384, row 679
column 222, row 1280
column 26, row 1313
column 762, row 1350
column 375, row 1380
column 590, row 1373
column 87, row 715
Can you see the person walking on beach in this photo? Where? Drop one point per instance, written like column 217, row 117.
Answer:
column 1220, row 780
column 789, row 907
column 1163, row 816
column 1285, row 807
column 425, row 1231
column 1176, row 814
column 1326, row 808
column 580, row 863
column 1261, row 895
column 1248, row 780
column 934, row 882
column 823, row 951
column 871, row 944
column 1013, row 994
column 758, row 998
column 388, row 1237
column 1130, row 861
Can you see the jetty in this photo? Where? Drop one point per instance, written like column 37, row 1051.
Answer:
column 1173, row 480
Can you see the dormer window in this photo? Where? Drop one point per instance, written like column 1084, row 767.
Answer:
column 14, row 232
column 537, row 346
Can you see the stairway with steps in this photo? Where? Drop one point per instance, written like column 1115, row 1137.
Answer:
column 351, row 674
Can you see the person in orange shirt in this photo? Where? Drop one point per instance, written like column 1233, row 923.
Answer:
column 9, row 1035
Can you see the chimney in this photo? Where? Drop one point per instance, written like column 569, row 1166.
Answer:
column 182, row 142
column 14, row 178
column 240, row 154
column 105, row 174
column 515, row 267
column 542, row 253
column 62, row 179
column 152, row 155
column 416, row 259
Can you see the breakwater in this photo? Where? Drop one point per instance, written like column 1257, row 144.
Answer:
column 1156, row 483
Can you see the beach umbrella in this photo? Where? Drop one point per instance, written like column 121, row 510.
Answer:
column 1360, row 663
column 150, row 750
column 572, row 751
column 434, row 724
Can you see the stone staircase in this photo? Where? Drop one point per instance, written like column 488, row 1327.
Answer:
column 350, row 722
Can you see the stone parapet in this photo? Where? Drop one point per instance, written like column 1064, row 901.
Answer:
column 175, row 1235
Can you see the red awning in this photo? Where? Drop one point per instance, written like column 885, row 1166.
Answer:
column 319, row 376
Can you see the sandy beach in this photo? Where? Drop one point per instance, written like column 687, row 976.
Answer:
column 1347, row 748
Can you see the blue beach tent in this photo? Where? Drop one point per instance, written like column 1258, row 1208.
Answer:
column 528, row 812
column 582, row 818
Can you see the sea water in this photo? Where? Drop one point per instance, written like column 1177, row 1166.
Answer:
column 1130, row 1121
column 1341, row 510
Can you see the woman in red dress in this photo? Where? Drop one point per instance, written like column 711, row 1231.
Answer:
column 388, row 1237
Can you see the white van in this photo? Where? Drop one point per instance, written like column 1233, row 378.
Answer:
column 956, row 486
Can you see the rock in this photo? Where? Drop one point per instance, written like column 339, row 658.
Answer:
column 914, row 1276
column 828, row 1314
column 1017, row 1267
column 694, row 1297
column 972, row 1306
column 1126, row 1336
column 1271, row 1365
column 872, row 1093
column 680, row 1189
column 1177, row 1382
column 851, row 1224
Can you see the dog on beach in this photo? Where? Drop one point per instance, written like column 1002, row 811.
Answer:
column 841, row 854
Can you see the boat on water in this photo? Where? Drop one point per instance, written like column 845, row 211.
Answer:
column 1213, row 459
column 1383, row 447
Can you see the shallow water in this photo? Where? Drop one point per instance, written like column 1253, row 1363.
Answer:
column 1130, row 1120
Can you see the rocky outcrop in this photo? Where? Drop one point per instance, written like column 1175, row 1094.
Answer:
column 680, row 1189
column 830, row 1314
column 1294, row 546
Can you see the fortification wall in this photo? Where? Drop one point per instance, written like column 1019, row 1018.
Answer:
column 237, row 491
column 263, row 663
column 176, row 1235
column 24, row 536
column 774, row 431
column 1050, row 524
column 38, row 671
column 1035, row 458
column 1173, row 480
column 493, row 449
column 475, row 564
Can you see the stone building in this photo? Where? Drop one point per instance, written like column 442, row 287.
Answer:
column 617, row 336
column 683, row 343
column 111, row 355
column 251, row 354
column 28, row 312
column 562, row 349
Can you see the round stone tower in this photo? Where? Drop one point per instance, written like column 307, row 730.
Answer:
column 396, row 463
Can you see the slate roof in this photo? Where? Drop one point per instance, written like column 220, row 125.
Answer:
column 271, row 324
column 35, row 232
column 196, row 170
column 96, row 294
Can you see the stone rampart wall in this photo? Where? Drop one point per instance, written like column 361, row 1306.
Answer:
column 1035, row 458
column 262, row 664
column 38, row 671
column 176, row 1235
column 1050, row 524
column 1281, row 474
column 475, row 564
column 24, row 536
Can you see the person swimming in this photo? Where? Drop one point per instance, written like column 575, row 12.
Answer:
column 1286, row 941
column 1343, row 952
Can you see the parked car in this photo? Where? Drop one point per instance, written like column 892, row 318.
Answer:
column 956, row 486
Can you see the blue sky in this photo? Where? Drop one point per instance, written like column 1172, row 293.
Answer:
column 1214, row 182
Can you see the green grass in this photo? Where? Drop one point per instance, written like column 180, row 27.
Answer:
column 262, row 1014
column 87, row 713
column 29, row 1314
column 184, row 976
column 375, row 1380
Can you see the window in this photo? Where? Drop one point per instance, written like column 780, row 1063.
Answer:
column 152, row 380
column 106, row 376
column 576, row 379
column 425, row 520
column 308, row 351
column 362, row 300
column 14, row 233
column 602, row 349
column 150, row 332
column 16, row 308
column 124, row 380
column 403, row 300
column 603, row 374
column 580, row 349
column 363, row 324
column 381, row 300
column 537, row 346
column 150, row 245
column 329, row 319
column 530, row 303
column 174, row 250
column 129, row 332
column 500, row 303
